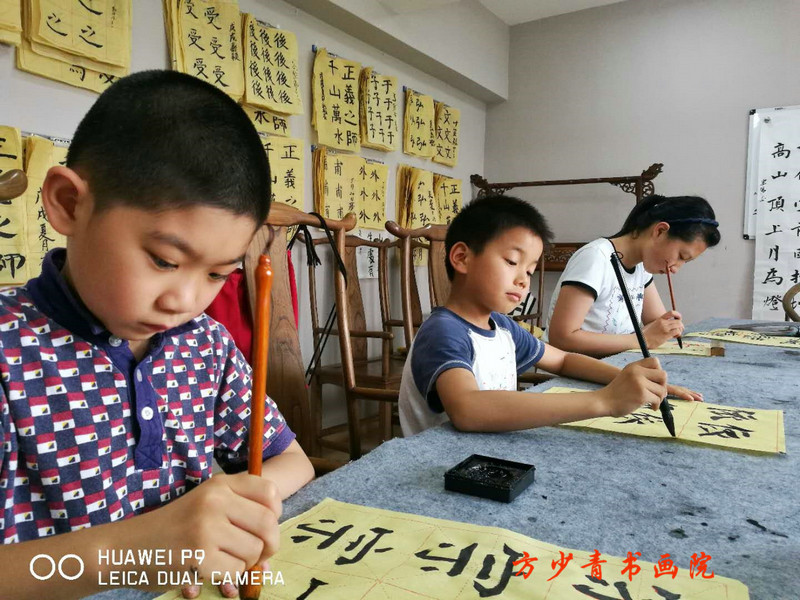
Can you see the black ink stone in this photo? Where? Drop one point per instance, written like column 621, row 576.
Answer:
column 487, row 477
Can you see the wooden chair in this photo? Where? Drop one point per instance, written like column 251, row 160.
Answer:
column 360, row 376
column 431, row 237
column 286, row 371
column 788, row 298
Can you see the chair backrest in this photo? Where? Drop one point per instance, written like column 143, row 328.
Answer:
column 359, row 334
column 431, row 237
column 790, row 304
column 285, row 370
column 13, row 183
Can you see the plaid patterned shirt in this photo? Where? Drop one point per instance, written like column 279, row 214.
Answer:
column 91, row 436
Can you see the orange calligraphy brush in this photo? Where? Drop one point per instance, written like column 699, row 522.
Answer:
column 250, row 591
column 672, row 299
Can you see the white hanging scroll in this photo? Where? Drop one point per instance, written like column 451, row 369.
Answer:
column 777, row 218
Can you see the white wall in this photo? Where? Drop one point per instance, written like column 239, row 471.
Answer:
column 475, row 40
column 608, row 91
column 38, row 105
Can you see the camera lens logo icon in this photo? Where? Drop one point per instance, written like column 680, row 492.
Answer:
column 44, row 566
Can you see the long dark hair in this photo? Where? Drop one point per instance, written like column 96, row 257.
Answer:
column 689, row 218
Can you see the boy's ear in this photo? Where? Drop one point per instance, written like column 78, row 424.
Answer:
column 65, row 197
column 459, row 257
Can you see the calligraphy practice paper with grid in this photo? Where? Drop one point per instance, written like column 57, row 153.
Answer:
column 689, row 348
column 340, row 551
column 751, row 429
column 747, row 337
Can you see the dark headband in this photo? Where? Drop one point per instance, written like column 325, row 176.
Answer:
column 701, row 220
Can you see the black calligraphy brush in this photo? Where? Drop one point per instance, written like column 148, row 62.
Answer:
column 672, row 299
column 666, row 409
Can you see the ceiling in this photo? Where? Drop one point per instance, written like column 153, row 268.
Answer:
column 512, row 12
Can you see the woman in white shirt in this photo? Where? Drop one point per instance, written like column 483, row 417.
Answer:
column 587, row 311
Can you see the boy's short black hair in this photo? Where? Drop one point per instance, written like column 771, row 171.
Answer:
column 161, row 140
column 487, row 218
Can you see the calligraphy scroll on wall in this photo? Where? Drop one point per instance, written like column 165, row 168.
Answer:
column 267, row 122
column 205, row 40
column 270, row 62
column 13, row 246
column 337, row 183
column 286, row 159
column 416, row 203
column 777, row 259
column 95, row 35
column 335, row 96
column 447, row 125
column 419, row 123
column 341, row 551
column 378, row 110
column 11, row 22
column 36, row 55
column 448, row 197
column 371, row 215
column 40, row 155
column 750, row 429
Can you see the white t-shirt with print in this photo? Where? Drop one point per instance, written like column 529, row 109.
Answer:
column 446, row 341
column 590, row 268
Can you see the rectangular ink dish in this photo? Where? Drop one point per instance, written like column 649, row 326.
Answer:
column 488, row 477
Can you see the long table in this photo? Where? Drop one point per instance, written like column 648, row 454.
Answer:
column 618, row 493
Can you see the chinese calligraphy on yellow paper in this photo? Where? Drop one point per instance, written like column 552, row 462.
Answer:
column 335, row 94
column 448, row 197
column 205, row 40
column 747, row 337
column 751, row 429
column 286, row 169
column 340, row 551
column 378, row 110
column 689, row 348
column 337, row 183
column 271, row 75
column 447, row 123
column 419, row 135
column 267, row 122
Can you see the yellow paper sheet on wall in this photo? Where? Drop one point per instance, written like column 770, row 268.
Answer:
column 731, row 427
column 335, row 96
column 11, row 154
column 419, row 135
column 747, row 337
column 286, row 159
column 378, row 110
column 40, row 155
column 338, row 183
column 372, row 196
column 98, row 30
column 13, row 262
column 447, row 123
column 689, row 348
column 341, row 551
column 404, row 197
column 77, row 76
column 10, row 22
column 423, row 208
column 58, row 70
column 448, row 197
column 271, row 76
column 267, row 122
column 208, row 43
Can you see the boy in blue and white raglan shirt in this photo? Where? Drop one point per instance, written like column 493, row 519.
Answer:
column 464, row 361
